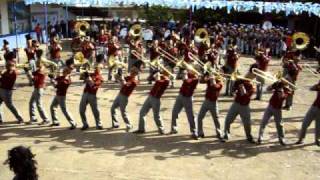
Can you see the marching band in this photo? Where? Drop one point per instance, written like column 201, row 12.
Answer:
column 198, row 60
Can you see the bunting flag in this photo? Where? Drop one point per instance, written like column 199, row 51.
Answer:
column 289, row 8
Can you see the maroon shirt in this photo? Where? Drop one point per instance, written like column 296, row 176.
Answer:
column 97, row 81
column 243, row 99
column 278, row 96
column 293, row 70
column 112, row 49
column 317, row 101
column 154, row 53
column 263, row 62
column 189, row 85
column 103, row 38
column 55, row 52
column 8, row 79
column 39, row 79
column 30, row 53
column 202, row 49
column 87, row 51
column 232, row 60
column 129, row 86
column 213, row 90
column 62, row 85
column 159, row 87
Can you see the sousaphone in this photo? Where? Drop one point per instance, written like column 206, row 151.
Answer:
column 300, row 40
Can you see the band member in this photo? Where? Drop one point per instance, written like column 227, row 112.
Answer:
column 280, row 93
column 212, row 57
column 39, row 81
column 92, row 82
column 172, row 49
column 293, row 69
column 153, row 101
column 202, row 50
column 76, row 43
column 128, row 84
column 62, row 84
column 7, row 81
column 185, row 100
column 134, row 44
column 154, row 58
column 87, row 49
column 262, row 62
column 243, row 90
column 214, row 86
column 31, row 56
column 6, row 49
column 55, row 50
column 230, row 67
column 113, row 48
column 312, row 114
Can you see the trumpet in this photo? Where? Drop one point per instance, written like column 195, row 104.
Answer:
column 310, row 69
column 273, row 78
column 154, row 64
column 179, row 63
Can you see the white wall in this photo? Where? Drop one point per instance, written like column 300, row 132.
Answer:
column 4, row 17
column 55, row 13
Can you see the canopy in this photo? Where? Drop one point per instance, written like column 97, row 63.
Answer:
column 242, row 6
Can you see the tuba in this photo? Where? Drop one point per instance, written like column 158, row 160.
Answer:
column 300, row 40
column 201, row 35
column 135, row 30
column 82, row 27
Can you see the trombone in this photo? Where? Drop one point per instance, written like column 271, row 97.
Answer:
column 310, row 69
column 177, row 62
column 154, row 64
column 272, row 78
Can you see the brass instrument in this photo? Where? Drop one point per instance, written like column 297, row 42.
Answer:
column 154, row 64
column 235, row 76
column 310, row 69
column 201, row 35
column 23, row 66
column 79, row 59
column 52, row 66
column 273, row 78
column 82, row 27
column 300, row 40
column 135, row 30
column 179, row 63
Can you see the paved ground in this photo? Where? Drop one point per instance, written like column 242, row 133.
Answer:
column 115, row 154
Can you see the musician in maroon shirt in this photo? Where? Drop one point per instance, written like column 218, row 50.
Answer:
column 154, row 58
column 30, row 51
column 113, row 47
column 128, row 84
column 55, row 52
column 280, row 93
column 185, row 100
column 293, row 69
column 153, row 101
column 7, row 81
column 312, row 114
column 214, row 86
column 62, row 84
column 93, row 82
column 243, row 90
column 262, row 62
column 230, row 67
column 39, row 82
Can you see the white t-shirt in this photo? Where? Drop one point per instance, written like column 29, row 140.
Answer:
column 147, row 35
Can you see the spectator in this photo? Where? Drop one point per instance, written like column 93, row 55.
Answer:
column 21, row 161
column 38, row 31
